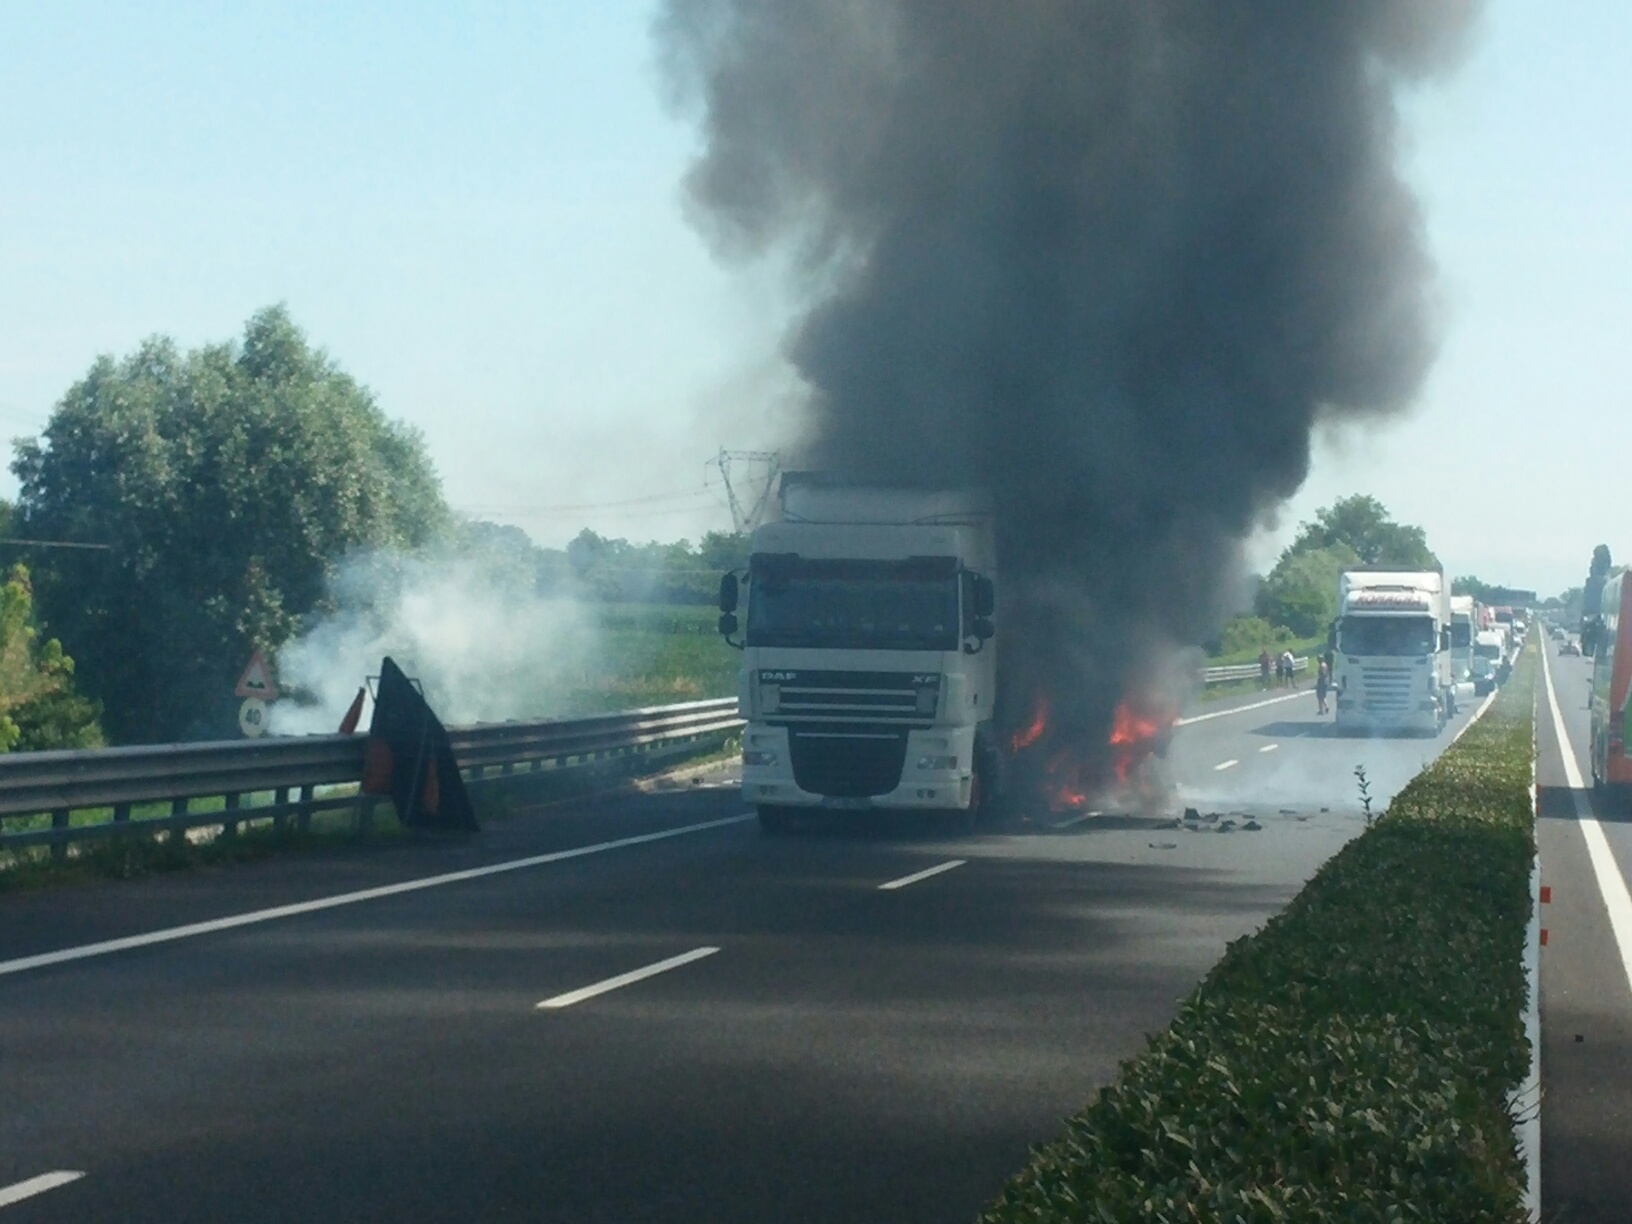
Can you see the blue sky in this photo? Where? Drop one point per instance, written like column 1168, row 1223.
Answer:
column 476, row 209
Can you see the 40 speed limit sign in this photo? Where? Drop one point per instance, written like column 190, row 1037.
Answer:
column 252, row 717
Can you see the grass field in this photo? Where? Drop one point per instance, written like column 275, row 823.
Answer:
column 653, row 654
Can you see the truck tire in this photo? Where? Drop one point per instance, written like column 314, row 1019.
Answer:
column 963, row 822
column 775, row 821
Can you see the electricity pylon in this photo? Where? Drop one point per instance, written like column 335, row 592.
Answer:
column 749, row 477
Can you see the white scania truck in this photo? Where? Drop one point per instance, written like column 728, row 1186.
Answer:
column 869, row 666
column 1392, row 666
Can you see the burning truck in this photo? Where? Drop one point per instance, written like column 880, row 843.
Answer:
column 867, row 617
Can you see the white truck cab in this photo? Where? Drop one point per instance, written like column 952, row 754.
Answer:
column 869, row 667
column 1392, row 643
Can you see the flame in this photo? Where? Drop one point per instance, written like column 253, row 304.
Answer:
column 1069, row 776
column 1066, row 785
column 1034, row 730
column 1134, row 736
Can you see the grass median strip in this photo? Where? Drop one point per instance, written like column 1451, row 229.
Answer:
column 1355, row 1059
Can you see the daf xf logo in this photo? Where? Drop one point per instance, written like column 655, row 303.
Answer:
column 932, row 679
column 778, row 677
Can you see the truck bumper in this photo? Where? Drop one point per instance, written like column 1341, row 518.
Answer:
column 1359, row 720
column 937, row 772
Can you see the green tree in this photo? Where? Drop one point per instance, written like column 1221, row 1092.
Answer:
column 227, row 482
column 39, row 708
column 1301, row 591
column 1470, row 584
column 1364, row 526
column 1592, row 593
column 1243, row 635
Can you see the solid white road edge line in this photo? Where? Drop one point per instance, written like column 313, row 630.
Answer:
column 624, row 979
column 1477, row 715
column 1269, row 748
column 1223, row 765
column 921, row 875
column 85, row 951
column 37, row 1185
column 1257, row 705
column 1611, row 884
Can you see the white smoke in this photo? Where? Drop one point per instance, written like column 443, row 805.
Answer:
column 484, row 643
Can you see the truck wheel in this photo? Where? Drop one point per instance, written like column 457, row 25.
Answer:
column 775, row 821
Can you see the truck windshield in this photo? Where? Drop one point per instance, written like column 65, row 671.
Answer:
column 1461, row 634
column 1488, row 650
column 1386, row 635
column 858, row 605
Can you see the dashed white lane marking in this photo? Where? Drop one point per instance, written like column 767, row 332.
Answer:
column 1611, row 884
column 107, row 946
column 624, row 979
column 922, row 875
column 1257, row 705
column 1269, row 748
column 1223, row 765
column 37, row 1185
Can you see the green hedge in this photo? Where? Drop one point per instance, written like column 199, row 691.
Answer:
column 1353, row 1060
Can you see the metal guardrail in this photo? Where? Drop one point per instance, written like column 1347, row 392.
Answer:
column 1235, row 672
column 294, row 773
column 300, row 776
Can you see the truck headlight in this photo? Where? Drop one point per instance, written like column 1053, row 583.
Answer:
column 760, row 757
column 770, row 698
column 937, row 762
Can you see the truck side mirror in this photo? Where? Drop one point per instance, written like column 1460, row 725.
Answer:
column 728, row 596
column 981, row 630
column 985, row 599
column 728, row 624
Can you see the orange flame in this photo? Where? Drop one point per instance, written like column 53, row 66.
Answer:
column 1071, row 777
column 1034, row 731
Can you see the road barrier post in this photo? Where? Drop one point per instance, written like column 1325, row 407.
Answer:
column 60, row 819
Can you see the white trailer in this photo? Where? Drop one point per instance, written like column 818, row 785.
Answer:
column 869, row 667
column 1393, row 652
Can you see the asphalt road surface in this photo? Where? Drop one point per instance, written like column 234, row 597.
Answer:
column 658, row 1015
column 1586, row 1001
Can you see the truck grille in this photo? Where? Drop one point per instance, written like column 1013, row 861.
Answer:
column 839, row 697
column 848, row 764
column 1388, row 690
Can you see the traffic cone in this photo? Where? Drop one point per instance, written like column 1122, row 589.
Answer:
column 348, row 724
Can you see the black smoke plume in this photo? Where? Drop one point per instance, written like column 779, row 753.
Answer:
column 1112, row 259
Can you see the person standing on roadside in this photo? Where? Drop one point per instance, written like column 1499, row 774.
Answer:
column 1323, row 685
column 1287, row 664
column 1263, row 668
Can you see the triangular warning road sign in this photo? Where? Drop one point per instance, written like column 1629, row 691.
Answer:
column 257, row 680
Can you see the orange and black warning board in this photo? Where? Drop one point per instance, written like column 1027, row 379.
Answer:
column 409, row 758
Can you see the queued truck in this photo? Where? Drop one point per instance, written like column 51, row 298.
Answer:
column 866, row 618
column 1464, row 624
column 1490, row 665
column 1392, row 652
column 1611, row 688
